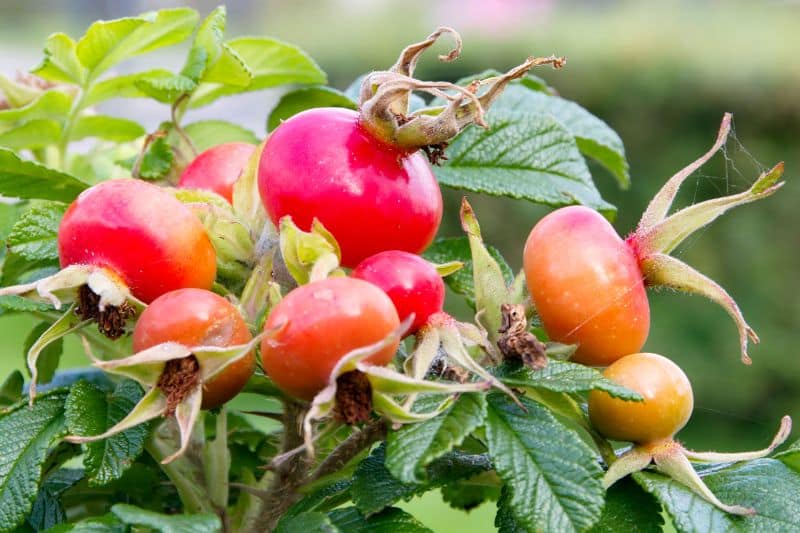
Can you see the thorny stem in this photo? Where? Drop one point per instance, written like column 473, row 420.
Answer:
column 352, row 446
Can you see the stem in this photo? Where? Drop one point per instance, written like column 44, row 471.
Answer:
column 217, row 463
column 69, row 123
column 176, row 114
column 352, row 446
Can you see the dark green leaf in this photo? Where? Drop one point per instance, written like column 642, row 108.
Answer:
column 522, row 155
column 157, row 160
column 33, row 134
column 26, row 435
column 412, row 448
column 107, row 42
column 107, row 523
column 324, row 499
column 462, row 281
column 11, row 389
column 11, row 303
column 53, row 104
column 766, row 485
column 26, row 179
column 469, row 493
column 208, row 133
column 391, row 520
column 17, row 270
column 90, row 411
column 629, row 509
column 272, row 63
column 296, row 101
column 594, row 137
column 34, row 235
column 60, row 61
column 68, row 378
column 554, row 477
column 185, row 523
column 561, row 376
column 791, row 457
column 47, row 510
column 504, row 521
column 48, row 360
column 306, row 523
column 106, row 127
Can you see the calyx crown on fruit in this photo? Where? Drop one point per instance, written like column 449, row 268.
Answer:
column 384, row 99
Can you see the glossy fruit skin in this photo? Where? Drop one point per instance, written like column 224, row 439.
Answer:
column 152, row 241
column 197, row 317
column 217, row 168
column 586, row 285
column 321, row 322
column 412, row 283
column 371, row 196
column 667, row 405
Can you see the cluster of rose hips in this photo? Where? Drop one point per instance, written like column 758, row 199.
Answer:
column 131, row 248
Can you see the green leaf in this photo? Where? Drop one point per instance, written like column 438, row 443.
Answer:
column 124, row 86
column 47, row 510
column 594, row 137
column 27, row 179
column 629, row 509
column 766, row 485
column 196, row 523
column 306, row 98
column 90, row 411
column 107, row 523
column 324, row 499
column 272, row 63
column 391, row 520
column 210, row 33
column 21, row 305
column 446, row 249
column 553, row 475
column 37, row 133
column 11, row 389
column 157, row 160
column 60, row 62
column 374, row 488
column 16, row 93
column 561, row 376
column 166, row 89
column 107, row 42
column 106, row 127
column 412, row 448
column 306, row 523
column 229, row 69
column 26, row 435
column 47, row 362
column 791, row 456
column 504, row 521
column 52, row 104
column 470, row 493
column 35, row 233
column 522, row 155
column 208, row 133
column 215, row 61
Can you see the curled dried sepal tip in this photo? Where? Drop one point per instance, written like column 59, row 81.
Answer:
column 148, row 367
column 516, row 342
column 673, row 460
column 376, row 385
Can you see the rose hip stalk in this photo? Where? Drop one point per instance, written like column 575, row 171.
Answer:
column 588, row 285
column 364, row 174
column 193, row 350
column 652, row 424
column 121, row 244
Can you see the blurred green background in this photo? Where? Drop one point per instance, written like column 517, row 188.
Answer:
column 661, row 74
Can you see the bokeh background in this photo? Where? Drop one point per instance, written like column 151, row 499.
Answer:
column 661, row 74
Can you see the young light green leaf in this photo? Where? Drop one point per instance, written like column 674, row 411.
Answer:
column 562, row 376
column 306, row 98
column 522, row 155
column 90, row 410
column 553, row 475
column 462, row 281
column 629, row 509
column 49, row 357
column 16, row 93
column 106, row 127
column 123, row 86
column 210, row 33
column 391, row 520
column 306, row 522
column 34, row 234
column 157, row 160
column 52, row 104
column 180, row 523
column 47, row 510
column 594, row 137
column 107, row 42
column 26, row 435
column 766, row 485
column 229, row 69
column 272, row 63
column 208, row 133
column 166, row 89
column 60, row 62
column 412, row 448
column 26, row 179
column 37, row 133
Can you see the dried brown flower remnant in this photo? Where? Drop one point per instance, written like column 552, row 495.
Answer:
column 353, row 398
column 179, row 378
column 110, row 320
column 516, row 342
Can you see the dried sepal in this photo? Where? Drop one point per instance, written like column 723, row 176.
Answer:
column 634, row 460
column 780, row 437
column 151, row 406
